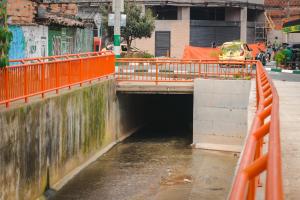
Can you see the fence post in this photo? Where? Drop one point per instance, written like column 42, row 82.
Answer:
column 43, row 80
column 156, row 76
column 6, row 86
column 56, row 77
column 80, row 71
column 69, row 74
column 25, row 84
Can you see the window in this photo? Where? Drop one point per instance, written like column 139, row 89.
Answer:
column 165, row 12
column 205, row 13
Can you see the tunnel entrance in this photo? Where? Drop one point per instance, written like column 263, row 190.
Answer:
column 157, row 161
column 164, row 115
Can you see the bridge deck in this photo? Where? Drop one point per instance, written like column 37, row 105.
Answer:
column 153, row 88
column 290, row 141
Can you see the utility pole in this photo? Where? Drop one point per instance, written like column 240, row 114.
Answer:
column 118, row 7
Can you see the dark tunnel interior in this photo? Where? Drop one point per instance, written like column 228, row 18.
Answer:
column 164, row 115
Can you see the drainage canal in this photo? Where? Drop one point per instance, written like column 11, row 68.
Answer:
column 156, row 162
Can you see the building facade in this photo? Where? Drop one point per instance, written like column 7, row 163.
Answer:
column 47, row 28
column 201, row 23
column 278, row 12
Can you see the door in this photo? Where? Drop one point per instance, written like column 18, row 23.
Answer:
column 162, row 43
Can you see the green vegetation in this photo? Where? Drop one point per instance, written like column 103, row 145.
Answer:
column 138, row 25
column 283, row 57
column 280, row 58
column 5, row 35
column 137, row 55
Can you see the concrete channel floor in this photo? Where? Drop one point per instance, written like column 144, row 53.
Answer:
column 289, row 95
column 147, row 167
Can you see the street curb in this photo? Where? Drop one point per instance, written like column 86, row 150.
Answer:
column 283, row 70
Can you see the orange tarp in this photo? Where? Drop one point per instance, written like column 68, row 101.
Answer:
column 200, row 53
column 256, row 48
column 206, row 53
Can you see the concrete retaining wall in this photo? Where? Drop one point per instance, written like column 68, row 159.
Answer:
column 58, row 134
column 220, row 114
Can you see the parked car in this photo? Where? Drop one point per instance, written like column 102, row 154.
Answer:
column 235, row 51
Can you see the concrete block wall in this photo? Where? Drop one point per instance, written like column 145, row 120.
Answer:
column 220, row 111
column 59, row 134
column 180, row 37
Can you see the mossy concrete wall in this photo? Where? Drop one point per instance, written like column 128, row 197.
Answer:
column 58, row 134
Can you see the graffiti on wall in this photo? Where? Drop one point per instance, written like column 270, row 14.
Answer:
column 70, row 40
column 56, row 41
column 17, row 45
column 83, row 40
column 28, row 42
column 36, row 39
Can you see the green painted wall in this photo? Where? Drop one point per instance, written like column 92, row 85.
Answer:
column 66, row 40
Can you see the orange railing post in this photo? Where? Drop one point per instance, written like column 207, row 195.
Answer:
column 156, row 74
column 25, row 84
column 43, row 80
column 56, row 77
column 80, row 71
column 6, row 86
column 69, row 74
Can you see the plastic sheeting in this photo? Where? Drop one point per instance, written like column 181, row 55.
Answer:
column 204, row 53
column 200, row 53
column 256, row 48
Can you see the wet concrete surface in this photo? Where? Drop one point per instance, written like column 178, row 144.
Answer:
column 154, row 164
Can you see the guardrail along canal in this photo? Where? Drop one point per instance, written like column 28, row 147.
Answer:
column 156, row 162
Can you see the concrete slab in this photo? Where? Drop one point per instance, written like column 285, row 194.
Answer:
column 220, row 114
column 289, row 95
column 153, row 88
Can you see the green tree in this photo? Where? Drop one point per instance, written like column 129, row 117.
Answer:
column 138, row 24
column 5, row 35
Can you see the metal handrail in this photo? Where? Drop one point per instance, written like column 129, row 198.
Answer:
column 253, row 159
column 178, row 70
column 41, row 75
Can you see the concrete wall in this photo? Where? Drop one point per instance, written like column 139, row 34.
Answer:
column 28, row 41
column 180, row 37
column 294, row 38
column 58, row 134
column 220, row 113
column 68, row 40
column 283, row 37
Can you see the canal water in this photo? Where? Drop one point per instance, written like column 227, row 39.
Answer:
column 154, row 163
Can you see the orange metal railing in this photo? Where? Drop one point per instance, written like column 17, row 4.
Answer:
column 255, row 159
column 174, row 70
column 41, row 75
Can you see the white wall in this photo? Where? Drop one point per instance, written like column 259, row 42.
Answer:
column 220, row 113
column 36, row 41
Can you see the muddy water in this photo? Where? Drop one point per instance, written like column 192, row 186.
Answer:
column 154, row 164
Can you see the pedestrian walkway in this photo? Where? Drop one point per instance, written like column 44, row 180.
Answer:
column 289, row 94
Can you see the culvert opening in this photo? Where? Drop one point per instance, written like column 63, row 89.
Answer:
column 164, row 115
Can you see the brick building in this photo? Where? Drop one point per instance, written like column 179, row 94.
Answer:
column 44, row 28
